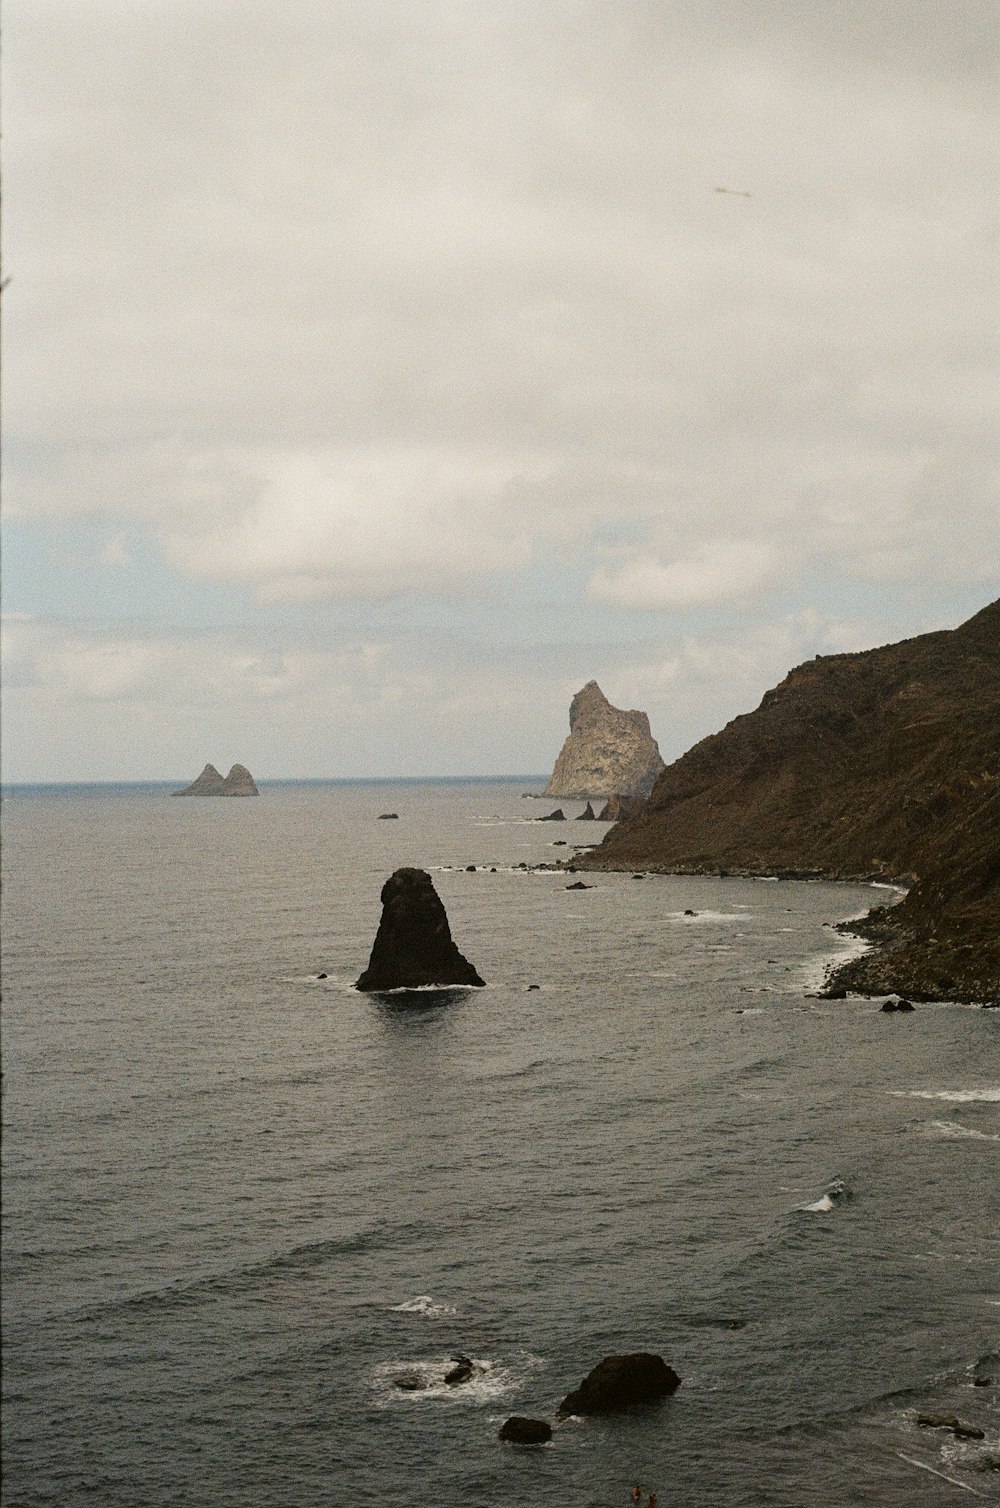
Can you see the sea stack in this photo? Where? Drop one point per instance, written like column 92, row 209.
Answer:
column 609, row 752
column 239, row 782
column 413, row 945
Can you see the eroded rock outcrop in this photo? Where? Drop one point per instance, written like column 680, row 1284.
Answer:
column 618, row 1382
column 413, row 946
column 609, row 752
column 239, row 782
column 619, row 808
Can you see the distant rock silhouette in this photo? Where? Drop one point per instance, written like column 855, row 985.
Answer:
column 587, row 815
column 239, row 782
column 608, row 751
column 413, row 945
column 557, row 816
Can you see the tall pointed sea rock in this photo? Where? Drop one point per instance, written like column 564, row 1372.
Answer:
column 413, row 945
column 609, row 752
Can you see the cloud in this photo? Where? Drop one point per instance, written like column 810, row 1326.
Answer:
column 722, row 570
column 331, row 305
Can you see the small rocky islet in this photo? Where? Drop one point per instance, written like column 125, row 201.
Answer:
column 413, row 946
column 239, row 782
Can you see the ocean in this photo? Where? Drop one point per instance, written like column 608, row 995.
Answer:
column 240, row 1199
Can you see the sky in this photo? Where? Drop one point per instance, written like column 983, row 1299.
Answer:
column 378, row 372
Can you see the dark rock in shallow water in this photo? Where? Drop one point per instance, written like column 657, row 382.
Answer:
column 579, row 885
column 459, row 1373
column 521, row 1431
column 690, row 913
column 410, row 1382
column 413, row 945
column 618, row 1382
column 320, row 976
column 587, row 815
column 950, row 1422
column 833, row 992
column 388, row 816
column 557, row 816
column 897, row 1005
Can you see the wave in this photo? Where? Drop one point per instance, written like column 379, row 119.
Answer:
column 490, row 1381
column 953, row 1096
column 836, row 1190
column 952, row 1131
column 424, row 1305
column 298, row 1261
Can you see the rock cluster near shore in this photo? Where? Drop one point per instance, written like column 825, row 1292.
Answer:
column 608, row 752
column 413, row 946
column 879, row 765
column 239, row 782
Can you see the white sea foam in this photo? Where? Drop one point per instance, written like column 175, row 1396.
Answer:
column 952, row 1131
column 953, row 1096
column 705, row 916
column 425, row 1305
column 836, row 1189
column 490, row 1380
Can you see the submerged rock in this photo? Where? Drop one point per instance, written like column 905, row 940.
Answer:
column 239, row 782
column 521, row 1431
column 388, row 816
column 950, row 1422
column 618, row 1382
column 413, row 945
column 579, row 885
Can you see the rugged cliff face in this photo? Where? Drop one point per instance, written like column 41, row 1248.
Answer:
column 239, row 782
column 882, row 764
column 608, row 753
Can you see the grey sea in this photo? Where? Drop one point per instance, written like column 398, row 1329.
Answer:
column 241, row 1199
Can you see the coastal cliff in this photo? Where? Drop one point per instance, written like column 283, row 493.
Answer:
column 884, row 765
column 609, row 752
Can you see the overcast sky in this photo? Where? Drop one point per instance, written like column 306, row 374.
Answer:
column 377, row 373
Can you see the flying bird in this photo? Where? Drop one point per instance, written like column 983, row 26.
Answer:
column 741, row 193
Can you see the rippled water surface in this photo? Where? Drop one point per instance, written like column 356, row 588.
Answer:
column 239, row 1199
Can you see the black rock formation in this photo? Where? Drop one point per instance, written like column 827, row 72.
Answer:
column 460, row 1372
column 388, row 816
column 413, row 945
column 897, row 1005
column 618, row 1382
column 587, row 815
column 521, row 1431
column 557, row 816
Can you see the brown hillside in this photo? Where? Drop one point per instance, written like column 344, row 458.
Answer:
column 885, row 764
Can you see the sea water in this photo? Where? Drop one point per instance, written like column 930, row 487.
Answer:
column 241, row 1199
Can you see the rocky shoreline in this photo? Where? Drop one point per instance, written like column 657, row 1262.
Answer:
column 881, row 766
